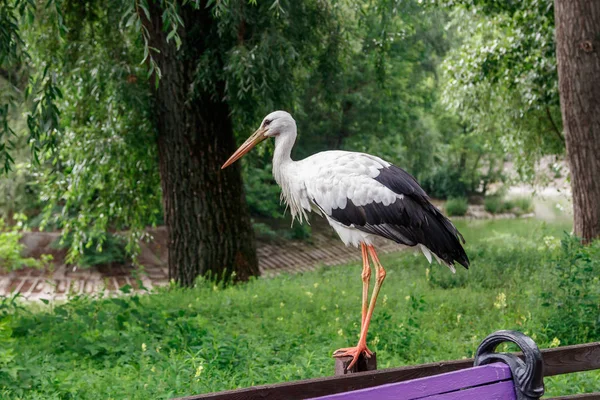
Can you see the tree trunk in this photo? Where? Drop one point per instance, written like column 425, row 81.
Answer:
column 210, row 232
column 577, row 51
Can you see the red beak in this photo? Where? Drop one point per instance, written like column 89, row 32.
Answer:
column 252, row 141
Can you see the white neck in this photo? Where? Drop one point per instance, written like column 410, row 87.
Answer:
column 282, row 155
column 287, row 177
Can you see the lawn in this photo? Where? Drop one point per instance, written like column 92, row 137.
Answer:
column 187, row 341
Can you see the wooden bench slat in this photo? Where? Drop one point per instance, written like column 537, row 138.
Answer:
column 584, row 396
column 557, row 361
column 422, row 387
column 496, row 391
column 567, row 359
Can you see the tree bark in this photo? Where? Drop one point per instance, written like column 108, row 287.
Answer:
column 577, row 51
column 210, row 232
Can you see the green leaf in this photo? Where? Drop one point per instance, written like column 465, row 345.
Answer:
column 126, row 288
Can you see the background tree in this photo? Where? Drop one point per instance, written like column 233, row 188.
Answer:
column 211, row 64
column 506, row 71
column 578, row 45
column 501, row 79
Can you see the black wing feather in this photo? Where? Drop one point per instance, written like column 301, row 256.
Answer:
column 410, row 221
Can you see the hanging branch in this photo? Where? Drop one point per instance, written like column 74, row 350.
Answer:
column 555, row 128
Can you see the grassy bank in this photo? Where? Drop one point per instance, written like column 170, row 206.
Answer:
column 181, row 342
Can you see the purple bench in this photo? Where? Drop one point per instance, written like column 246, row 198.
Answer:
column 491, row 382
column 495, row 376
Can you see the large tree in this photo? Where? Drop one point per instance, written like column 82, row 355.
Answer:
column 204, row 207
column 102, row 131
column 578, row 54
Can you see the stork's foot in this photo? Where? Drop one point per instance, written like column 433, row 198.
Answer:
column 353, row 352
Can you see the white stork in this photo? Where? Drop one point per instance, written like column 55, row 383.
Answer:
column 362, row 196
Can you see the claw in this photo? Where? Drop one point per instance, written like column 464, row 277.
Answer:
column 353, row 352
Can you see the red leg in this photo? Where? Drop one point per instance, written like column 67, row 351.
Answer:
column 366, row 277
column 366, row 312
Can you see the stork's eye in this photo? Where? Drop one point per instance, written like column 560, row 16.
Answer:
column 266, row 123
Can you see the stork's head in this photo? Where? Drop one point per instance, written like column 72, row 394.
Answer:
column 275, row 124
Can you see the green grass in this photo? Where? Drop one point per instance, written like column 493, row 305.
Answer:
column 181, row 342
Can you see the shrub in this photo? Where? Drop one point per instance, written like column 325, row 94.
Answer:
column 457, row 206
column 508, row 205
column 110, row 250
column 573, row 298
column 19, row 192
column 262, row 193
column 299, row 232
column 494, row 204
column 522, row 205
column 444, row 183
column 11, row 249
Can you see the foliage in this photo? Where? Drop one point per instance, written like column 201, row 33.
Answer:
column 110, row 250
column 522, row 205
column 502, row 81
column 261, row 192
column 444, row 92
column 20, row 192
column 445, row 183
column 11, row 249
column 575, row 298
column 456, row 206
column 494, row 204
column 187, row 341
column 299, row 232
column 103, row 174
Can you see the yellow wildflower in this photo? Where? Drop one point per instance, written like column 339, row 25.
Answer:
column 500, row 301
